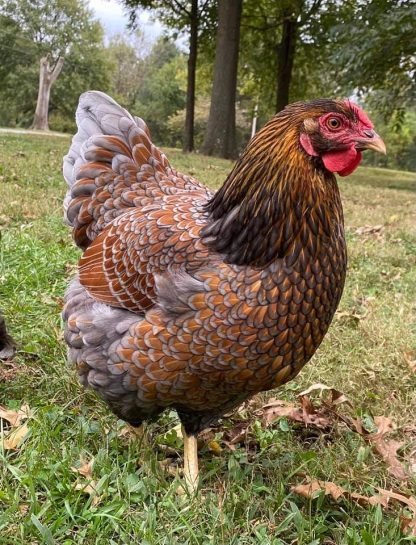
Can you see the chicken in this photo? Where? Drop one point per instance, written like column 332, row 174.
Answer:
column 194, row 300
column 7, row 344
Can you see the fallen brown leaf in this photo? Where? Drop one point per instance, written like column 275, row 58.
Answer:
column 169, row 466
column 313, row 487
column 387, row 448
column 327, row 414
column 408, row 526
column 90, row 490
column 276, row 408
column 337, row 397
column 15, row 418
column 318, row 386
column 370, row 230
column 238, row 433
column 15, row 437
column 85, row 469
column 384, row 425
column 89, row 487
column 409, row 501
column 348, row 316
column 410, row 358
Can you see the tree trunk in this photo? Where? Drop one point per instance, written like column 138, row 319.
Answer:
column 220, row 135
column 188, row 144
column 47, row 78
column 285, row 57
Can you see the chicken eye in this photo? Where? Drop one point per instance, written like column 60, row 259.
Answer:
column 333, row 123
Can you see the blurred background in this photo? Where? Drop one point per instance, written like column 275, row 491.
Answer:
column 159, row 59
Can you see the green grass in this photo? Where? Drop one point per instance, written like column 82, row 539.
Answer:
column 245, row 494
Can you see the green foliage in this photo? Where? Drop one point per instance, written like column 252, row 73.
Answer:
column 161, row 92
column 176, row 14
column 127, row 54
column 87, row 66
column 343, row 49
column 375, row 52
column 261, row 34
column 52, row 25
column 399, row 134
column 59, row 27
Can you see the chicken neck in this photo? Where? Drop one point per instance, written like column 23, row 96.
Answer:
column 276, row 201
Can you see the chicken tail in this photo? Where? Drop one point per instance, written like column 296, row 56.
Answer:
column 110, row 164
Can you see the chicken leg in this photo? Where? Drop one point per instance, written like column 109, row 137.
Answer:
column 190, row 461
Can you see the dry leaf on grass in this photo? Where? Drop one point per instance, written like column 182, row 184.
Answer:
column 323, row 417
column 318, row 386
column 326, row 415
column 384, row 425
column 408, row 526
column 18, row 428
column 384, row 498
column 348, row 316
column 15, row 418
column 313, row 487
column 15, row 437
column 170, row 467
column 89, row 487
column 230, row 436
column 85, row 469
column 90, row 490
column 410, row 358
column 370, row 230
column 387, row 448
column 276, row 408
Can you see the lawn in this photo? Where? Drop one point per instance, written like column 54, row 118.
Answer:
column 131, row 492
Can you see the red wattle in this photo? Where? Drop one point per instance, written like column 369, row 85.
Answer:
column 343, row 162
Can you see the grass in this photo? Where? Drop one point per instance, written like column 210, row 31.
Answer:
column 245, row 497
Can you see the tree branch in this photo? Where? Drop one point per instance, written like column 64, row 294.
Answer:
column 314, row 8
column 56, row 70
column 180, row 9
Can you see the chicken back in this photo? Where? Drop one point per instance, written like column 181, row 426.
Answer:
column 187, row 299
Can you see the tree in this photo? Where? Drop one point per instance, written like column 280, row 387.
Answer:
column 161, row 92
column 220, row 136
column 47, row 78
column 127, row 55
column 194, row 17
column 54, row 27
column 286, row 46
column 376, row 53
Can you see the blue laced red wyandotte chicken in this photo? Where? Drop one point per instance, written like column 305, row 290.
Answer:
column 197, row 300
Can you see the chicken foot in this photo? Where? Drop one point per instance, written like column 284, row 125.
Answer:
column 190, row 461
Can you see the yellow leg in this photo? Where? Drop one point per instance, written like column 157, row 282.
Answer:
column 190, row 461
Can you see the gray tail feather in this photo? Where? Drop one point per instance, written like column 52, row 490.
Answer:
column 97, row 114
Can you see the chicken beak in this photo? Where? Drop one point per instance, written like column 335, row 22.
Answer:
column 374, row 143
